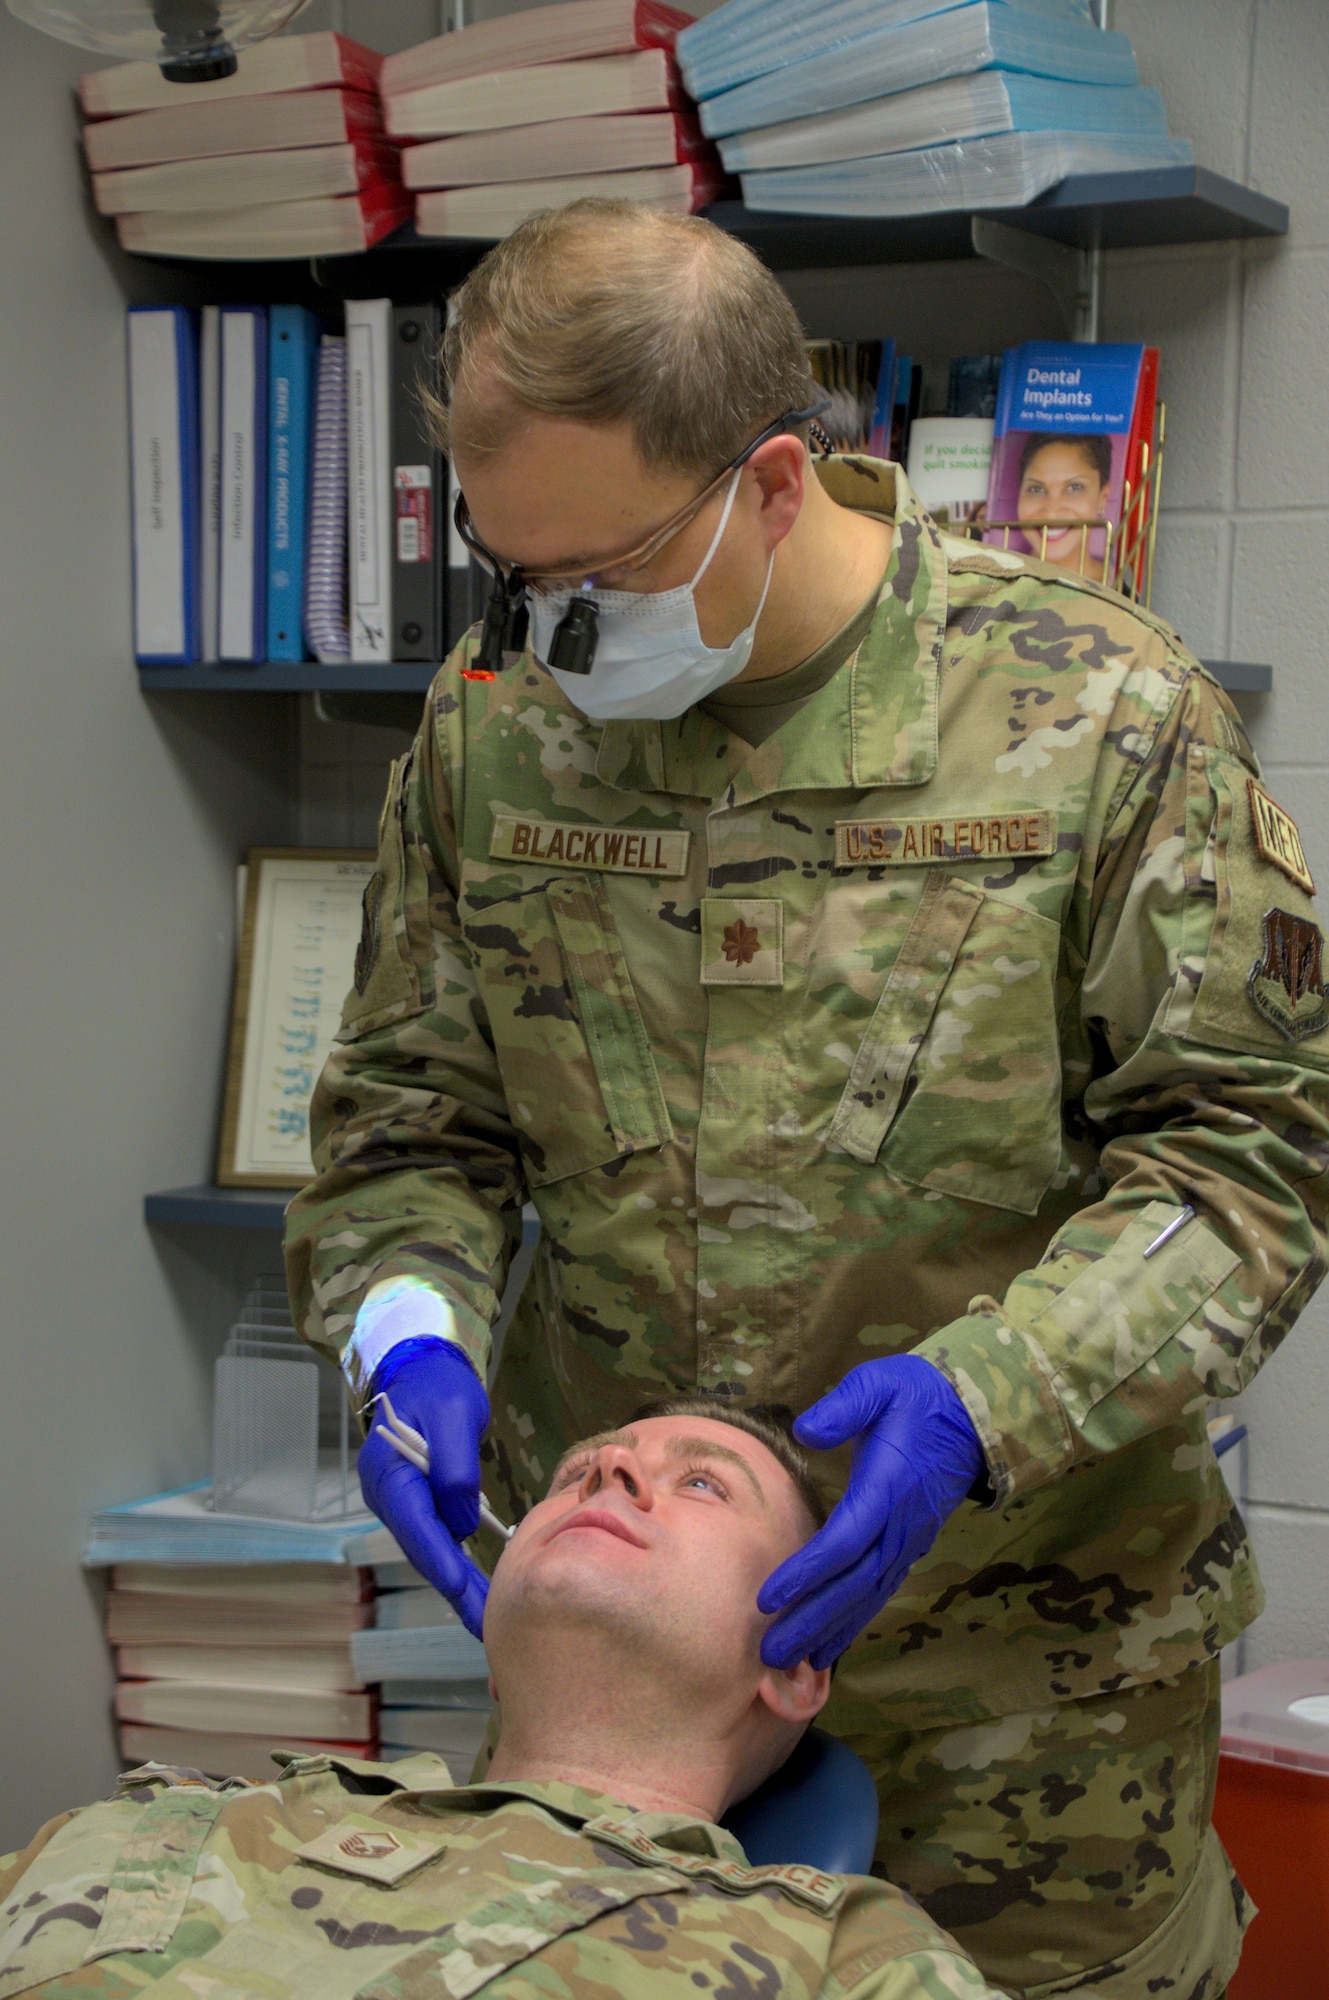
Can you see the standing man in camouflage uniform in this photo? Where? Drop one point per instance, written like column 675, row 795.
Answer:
column 890, row 981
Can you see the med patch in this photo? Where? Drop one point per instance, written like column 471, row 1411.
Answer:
column 1277, row 840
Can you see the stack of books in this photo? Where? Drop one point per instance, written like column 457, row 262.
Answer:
column 432, row 1676
column 536, row 109
column 287, row 158
column 217, row 1665
column 258, row 436
column 898, row 109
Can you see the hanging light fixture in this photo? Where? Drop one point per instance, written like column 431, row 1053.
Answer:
column 193, row 41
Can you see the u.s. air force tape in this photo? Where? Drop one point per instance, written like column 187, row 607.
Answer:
column 909, row 843
column 622, row 850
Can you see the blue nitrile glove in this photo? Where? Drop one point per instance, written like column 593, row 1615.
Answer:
column 916, row 1456
column 434, row 1389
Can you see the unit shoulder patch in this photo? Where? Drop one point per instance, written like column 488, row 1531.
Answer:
column 1277, row 840
column 364, row 1847
column 617, row 850
column 1286, row 982
column 912, row 843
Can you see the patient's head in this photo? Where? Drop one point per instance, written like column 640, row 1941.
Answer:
column 625, row 1604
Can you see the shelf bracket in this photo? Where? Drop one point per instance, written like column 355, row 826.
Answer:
column 1070, row 275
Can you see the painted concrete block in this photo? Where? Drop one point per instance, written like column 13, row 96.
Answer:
column 1288, row 156
column 1286, row 1409
column 1199, row 57
column 1183, row 303
column 1280, row 614
column 1190, row 581
column 1292, row 1549
column 1283, row 436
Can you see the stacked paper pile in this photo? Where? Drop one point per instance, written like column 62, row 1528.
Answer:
column 535, row 109
column 433, row 1676
column 287, row 158
column 219, row 1665
column 909, row 107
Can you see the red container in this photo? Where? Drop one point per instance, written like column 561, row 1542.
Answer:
column 1272, row 1814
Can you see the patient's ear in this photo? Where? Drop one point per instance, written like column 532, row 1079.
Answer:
column 796, row 1694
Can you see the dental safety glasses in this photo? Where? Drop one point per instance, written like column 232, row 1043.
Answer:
column 573, row 649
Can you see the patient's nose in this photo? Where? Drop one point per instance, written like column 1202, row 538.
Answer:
column 616, row 1466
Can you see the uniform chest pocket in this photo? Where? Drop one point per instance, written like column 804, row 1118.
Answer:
column 957, row 1083
column 578, row 1072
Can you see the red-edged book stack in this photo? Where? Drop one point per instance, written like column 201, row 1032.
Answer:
column 535, row 109
column 287, row 158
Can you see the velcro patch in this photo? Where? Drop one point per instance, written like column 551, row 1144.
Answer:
column 1276, row 838
column 619, row 850
column 742, row 941
column 363, row 1846
column 909, row 843
column 801, row 1883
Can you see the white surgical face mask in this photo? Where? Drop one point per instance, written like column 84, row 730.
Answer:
column 651, row 662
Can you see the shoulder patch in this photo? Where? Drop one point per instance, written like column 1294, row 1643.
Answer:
column 1277, row 840
column 810, row 1886
column 362, row 1846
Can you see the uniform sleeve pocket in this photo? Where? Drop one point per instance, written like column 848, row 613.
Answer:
column 389, row 984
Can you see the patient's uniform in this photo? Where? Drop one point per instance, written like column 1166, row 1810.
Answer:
column 343, row 1878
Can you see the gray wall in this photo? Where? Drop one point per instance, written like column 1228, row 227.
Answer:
column 126, row 815
column 122, row 823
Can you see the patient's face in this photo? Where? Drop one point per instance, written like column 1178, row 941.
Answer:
column 660, row 1534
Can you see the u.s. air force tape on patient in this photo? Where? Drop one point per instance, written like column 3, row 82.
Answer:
column 906, row 843
column 623, row 850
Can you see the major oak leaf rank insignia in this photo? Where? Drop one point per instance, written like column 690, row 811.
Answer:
column 1286, row 983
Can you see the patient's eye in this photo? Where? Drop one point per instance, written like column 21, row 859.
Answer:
column 704, row 1475
column 569, row 1474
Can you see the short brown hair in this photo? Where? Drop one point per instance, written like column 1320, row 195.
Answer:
column 608, row 312
column 766, row 1422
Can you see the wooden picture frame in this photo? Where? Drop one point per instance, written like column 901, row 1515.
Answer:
column 294, row 968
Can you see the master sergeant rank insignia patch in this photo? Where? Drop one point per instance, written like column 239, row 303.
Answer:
column 365, row 1847
column 1286, row 984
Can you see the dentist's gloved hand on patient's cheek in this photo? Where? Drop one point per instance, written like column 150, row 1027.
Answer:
column 916, row 1456
column 434, row 1389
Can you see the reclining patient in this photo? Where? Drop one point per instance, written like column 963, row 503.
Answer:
column 623, row 1640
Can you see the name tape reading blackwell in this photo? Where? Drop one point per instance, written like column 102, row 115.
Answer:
column 622, row 852
column 908, row 843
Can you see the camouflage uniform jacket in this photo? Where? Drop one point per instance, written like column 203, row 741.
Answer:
column 912, row 1028
column 354, row 1881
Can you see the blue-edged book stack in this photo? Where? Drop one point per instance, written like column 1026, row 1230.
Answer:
column 293, row 334
column 899, row 107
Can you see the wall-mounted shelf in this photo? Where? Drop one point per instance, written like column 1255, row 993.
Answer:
column 1238, row 676
column 289, row 677
column 1132, row 211
column 1241, row 676
column 247, row 1208
column 219, row 1207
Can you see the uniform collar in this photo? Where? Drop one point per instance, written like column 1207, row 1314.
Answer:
column 675, row 1832
column 874, row 723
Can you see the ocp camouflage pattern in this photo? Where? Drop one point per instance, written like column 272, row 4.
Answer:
column 917, row 1028
column 184, row 1887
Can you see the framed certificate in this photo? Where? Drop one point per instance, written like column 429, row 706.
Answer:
column 301, row 927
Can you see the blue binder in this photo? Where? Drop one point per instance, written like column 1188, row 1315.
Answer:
column 164, row 483
column 292, row 347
